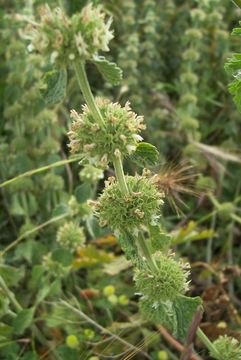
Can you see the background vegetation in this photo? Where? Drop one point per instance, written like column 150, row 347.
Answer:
column 172, row 54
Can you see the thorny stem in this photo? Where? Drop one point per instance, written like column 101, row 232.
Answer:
column 83, row 82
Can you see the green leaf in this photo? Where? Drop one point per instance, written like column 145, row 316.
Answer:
column 23, row 320
column 185, row 308
column 175, row 315
column 62, row 256
column 109, row 70
column 145, row 155
column 53, row 90
column 45, row 291
column 83, row 192
column 11, row 274
column 160, row 240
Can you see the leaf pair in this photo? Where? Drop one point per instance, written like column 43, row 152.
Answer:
column 55, row 81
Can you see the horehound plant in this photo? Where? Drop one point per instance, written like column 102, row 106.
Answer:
column 107, row 133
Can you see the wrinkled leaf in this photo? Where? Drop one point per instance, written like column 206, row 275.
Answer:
column 145, row 155
column 83, row 192
column 109, row 70
column 53, row 90
column 185, row 308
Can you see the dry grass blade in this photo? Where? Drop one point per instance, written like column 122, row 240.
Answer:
column 218, row 152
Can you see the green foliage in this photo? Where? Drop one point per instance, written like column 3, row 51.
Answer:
column 23, row 320
column 54, row 87
column 176, row 316
column 145, row 155
column 109, row 70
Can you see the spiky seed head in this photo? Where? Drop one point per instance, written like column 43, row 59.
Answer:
column 111, row 138
column 169, row 280
column 129, row 211
column 227, row 348
column 71, row 236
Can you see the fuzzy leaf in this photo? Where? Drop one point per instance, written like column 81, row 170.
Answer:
column 185, row 308
column 175, row 315
column 23, row 320
column 160, row 240
column 145, row 155
column 83, row 192
column 109, row 70
column 53, row 90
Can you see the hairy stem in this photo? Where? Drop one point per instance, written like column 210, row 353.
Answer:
column 84, row 85
column 146, row 252
column 205, row 340
column 10, row 295
column 120, row 175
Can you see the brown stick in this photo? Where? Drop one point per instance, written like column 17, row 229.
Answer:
column 171, row 340
column 191, row 335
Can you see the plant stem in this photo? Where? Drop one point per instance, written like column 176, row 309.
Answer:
column 205, row 340
column 83, row 82
column 146, row 252
column 120, row 175
column 10, row 295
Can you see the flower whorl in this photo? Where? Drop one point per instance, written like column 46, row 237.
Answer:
column 129, row 211
column 102, row 142
column 62, row 39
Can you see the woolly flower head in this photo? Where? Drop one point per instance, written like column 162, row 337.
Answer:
column 62, row 39
column 101, row 143
column 141, row 206
column 227, row 348
column 169, row 280
column 70, row 236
